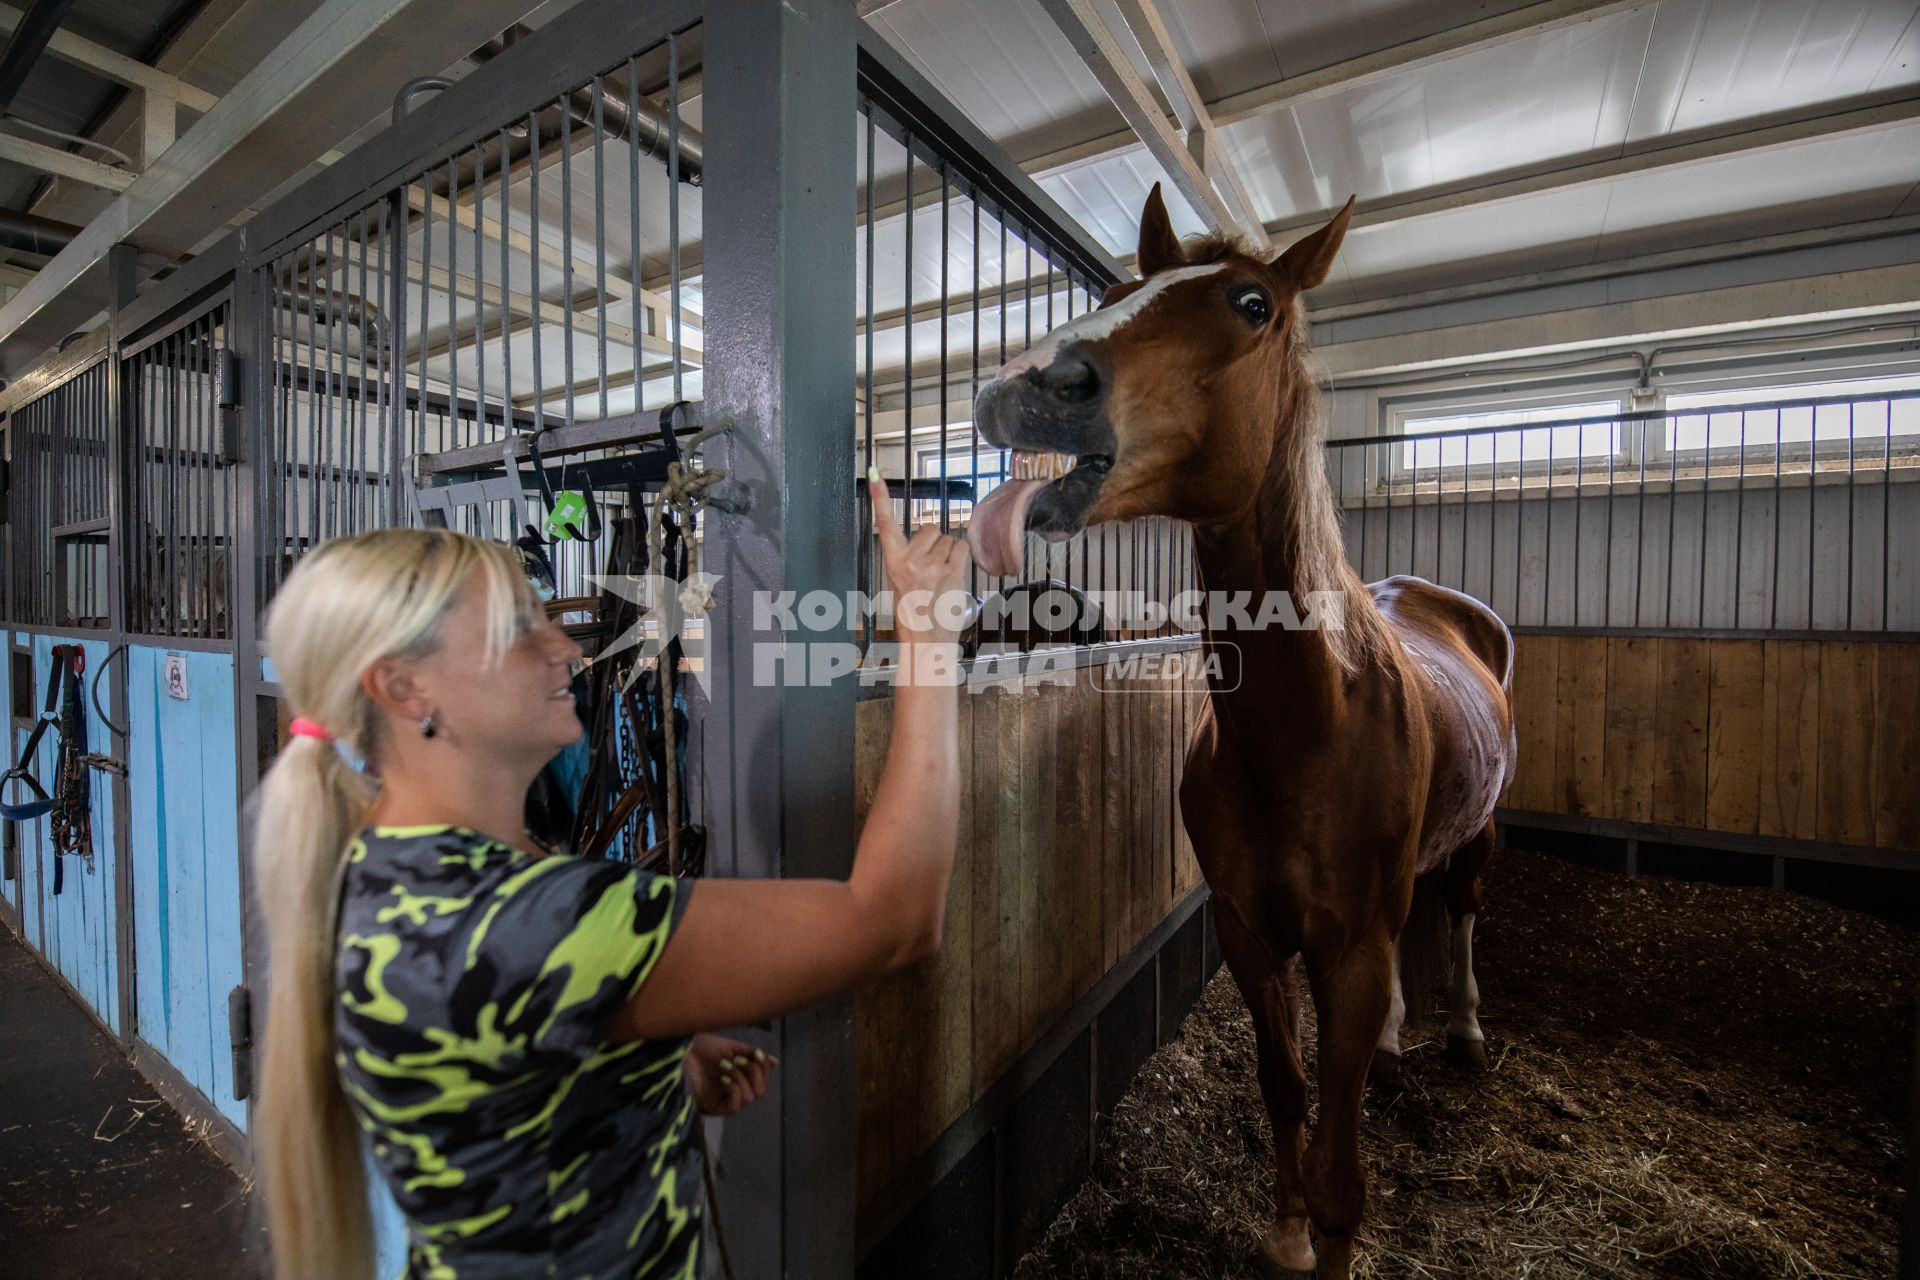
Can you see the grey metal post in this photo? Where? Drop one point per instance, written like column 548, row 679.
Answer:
column 120, row 538
column 780, row 279
column 250, row 337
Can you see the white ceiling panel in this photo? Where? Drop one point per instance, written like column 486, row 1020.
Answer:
column 1006, row 66
column 1106, row 198
column 1715, row 61
column 1516, row 105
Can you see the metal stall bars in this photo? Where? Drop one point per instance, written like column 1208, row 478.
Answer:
column 536, row 261
column 1777, row 518
column 179, row 389
column 59, row 506
column 525, row 280
column 509, row 318
column 965, row 262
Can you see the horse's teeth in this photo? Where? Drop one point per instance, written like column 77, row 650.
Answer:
column 1031, row 464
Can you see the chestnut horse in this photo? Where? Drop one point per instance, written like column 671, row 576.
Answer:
column 1332, row 765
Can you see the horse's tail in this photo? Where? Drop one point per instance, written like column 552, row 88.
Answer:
column 1426, row 959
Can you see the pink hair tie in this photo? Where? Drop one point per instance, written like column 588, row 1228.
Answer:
column 305, row 728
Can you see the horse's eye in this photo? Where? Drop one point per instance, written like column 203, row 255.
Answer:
column 1251, row 302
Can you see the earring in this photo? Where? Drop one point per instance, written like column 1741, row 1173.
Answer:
column 427, row 728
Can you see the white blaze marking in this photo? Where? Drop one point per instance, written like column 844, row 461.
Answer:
column 1463, row 1018
column 1104, row 323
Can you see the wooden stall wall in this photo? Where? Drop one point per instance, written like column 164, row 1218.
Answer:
column 1809, row 740
column 1070, row 852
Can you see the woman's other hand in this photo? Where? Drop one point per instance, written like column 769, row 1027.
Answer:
column 925, row 573
column 725, row 1075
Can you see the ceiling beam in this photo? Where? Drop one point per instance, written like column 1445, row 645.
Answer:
column 313, row 89
column 1150, row 32
column 1861, row 294
column 1414, row 55
column 619, row 284
column 1094, row 41
column 1671, row 152
column 1757, row 247
column 64, row 164
column 589, row 387
column 117, row 67
column 26, row 44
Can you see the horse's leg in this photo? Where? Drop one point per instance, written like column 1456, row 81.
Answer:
column 1385, row 1069
column 1466, row 1043
column 1266, row 984
column 1352, row 990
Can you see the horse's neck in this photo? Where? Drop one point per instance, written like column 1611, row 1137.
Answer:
column 1291, row 674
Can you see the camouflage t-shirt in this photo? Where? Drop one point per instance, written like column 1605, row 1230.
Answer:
column 476, row 984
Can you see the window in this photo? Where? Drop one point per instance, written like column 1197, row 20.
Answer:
column 984, row 470
column 1868, row 418
column 1499, row 448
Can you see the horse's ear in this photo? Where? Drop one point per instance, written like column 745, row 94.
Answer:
column 1159, row 246
column 1311, row 259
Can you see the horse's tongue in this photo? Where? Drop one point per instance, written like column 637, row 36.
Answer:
column 998, row 531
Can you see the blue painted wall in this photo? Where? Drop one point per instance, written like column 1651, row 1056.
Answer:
column 185, row 845
column 76, row 930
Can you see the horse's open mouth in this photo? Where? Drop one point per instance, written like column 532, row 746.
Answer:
column 1048, row 493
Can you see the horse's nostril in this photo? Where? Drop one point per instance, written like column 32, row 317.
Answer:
column 1073, row 379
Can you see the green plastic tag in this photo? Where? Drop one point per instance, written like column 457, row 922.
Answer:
column 568, row 519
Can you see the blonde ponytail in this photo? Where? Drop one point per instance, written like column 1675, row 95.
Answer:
column 348, row 604
column 309, row 1144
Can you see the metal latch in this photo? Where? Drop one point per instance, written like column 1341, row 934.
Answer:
column 240, row 1037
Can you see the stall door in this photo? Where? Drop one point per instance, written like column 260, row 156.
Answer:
column 185, row 849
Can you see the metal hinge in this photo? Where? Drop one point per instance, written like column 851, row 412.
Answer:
column 240, row 1037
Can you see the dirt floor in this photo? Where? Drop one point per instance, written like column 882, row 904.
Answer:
column 1686, row 1081
column 100, row 1179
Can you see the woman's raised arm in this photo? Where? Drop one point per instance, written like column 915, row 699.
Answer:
column 748, row 950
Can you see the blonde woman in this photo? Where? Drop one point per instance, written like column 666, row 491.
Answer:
column 521, row 1034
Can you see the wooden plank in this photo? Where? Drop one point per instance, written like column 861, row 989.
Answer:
column 995, row 909
column 1846, row 746
column 1896, row 790
column 1580, row 730
column 1680, row 735
column 1152, row 826
column 1633, row 674
column 879, row 1009
column 1535, row 694
column 211, row 685
column 1735, row 719
column 952, row 1040
column 1079, row 838
column 1046, row 985
column 1193, row 697
column 914, row 1029
column 1160, row 770
column 1789, row 737
column 1116, row 720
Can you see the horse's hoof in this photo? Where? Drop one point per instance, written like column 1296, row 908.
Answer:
column 1466, row 1053
column 1385, row 1071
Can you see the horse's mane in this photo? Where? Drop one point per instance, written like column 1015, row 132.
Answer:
column 1297, row 488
